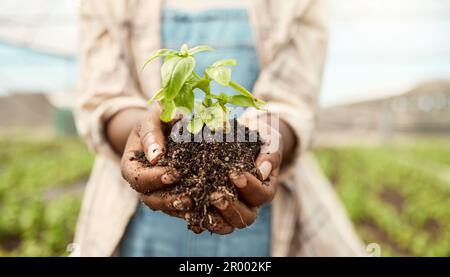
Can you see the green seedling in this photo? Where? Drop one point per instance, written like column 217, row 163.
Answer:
column 180, row 83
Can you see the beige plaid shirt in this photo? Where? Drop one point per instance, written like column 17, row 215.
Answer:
column 291, row 36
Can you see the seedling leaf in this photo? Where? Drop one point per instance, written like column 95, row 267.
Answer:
column 181, row 70
column 184, row 50
column 227, row 62
column 214, row 117
column 180, row 81
column 186, row 97
column 160, row 53
column 195, row 125
column 157, row 96
column 241, row 89
column 221, row 75
column 169, row 110
column 242, row 100
column 200, row 48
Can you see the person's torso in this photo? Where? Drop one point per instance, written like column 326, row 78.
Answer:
column 225, row 27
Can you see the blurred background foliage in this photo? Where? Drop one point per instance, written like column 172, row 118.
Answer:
column 386, row 74
column 41, row 183
column 397, row 195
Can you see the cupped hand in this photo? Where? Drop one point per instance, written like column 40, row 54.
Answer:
column 253, row 191
column 148, row 138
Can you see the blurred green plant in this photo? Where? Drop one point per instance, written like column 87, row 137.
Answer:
column 38, row 203
column 399, row 204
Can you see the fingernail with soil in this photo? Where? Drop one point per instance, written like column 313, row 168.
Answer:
column 154, row 151
column 221, row 204
column 196, row 229
column 177, row 204
column 168, row 178
column 239, row 180
column 264, row 169
column 219, row 201
column 182, row 204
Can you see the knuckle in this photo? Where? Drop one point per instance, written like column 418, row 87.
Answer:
column 223, row 230
column 137, row 183
column 147, row 139
column 241, row 223
column 227, row 230
column 276, row 158
column 138, row 128
column 167, row 204
column 138, row 186
column 148, row 203
column 218, row 225
column 127, row 172
column 153, row 202
column 144, row 180
column 260, row 197
column 151, row 206
column 257, row 202
column 267, row 195
column 124, row 166
column 249, row 221
column 270, row 196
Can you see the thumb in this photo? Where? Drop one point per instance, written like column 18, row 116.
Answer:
column 152, row 137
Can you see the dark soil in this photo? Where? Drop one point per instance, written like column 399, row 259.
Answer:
column 205, row 166
column 394, row 198
column 382, row 237
column 10, row 242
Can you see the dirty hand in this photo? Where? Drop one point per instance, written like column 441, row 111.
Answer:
column 148, row 137
column 254, row 191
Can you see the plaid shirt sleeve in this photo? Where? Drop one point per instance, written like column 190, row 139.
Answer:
column 294, row 53
column 107, row 82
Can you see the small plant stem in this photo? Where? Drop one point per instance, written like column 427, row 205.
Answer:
column 196, row 75
column 208, row 101
column 205, row 87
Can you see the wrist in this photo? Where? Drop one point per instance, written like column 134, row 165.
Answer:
column 289, row 140
column 119, row 127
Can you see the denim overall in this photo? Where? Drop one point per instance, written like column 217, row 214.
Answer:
column 157, row 234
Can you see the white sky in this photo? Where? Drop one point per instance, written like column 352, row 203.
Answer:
column 377, row 47
column 383, row 47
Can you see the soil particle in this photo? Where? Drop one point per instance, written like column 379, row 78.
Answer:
column 205, row 166
column 140, row 156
